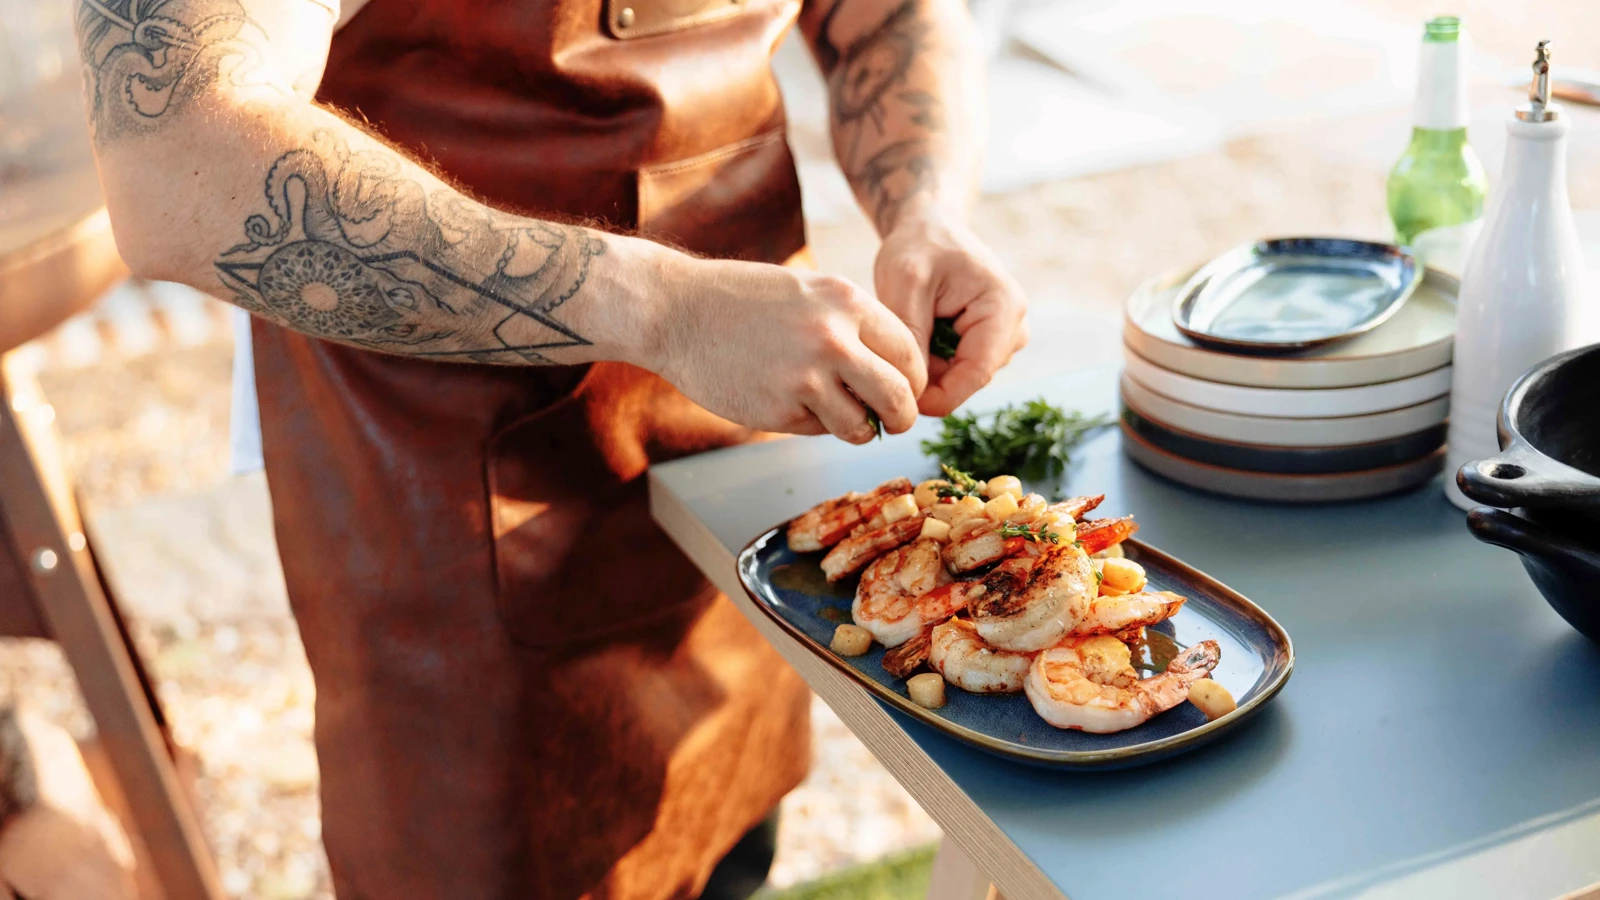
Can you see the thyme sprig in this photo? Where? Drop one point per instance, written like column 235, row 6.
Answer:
column 1037, row 534
column 961, row 484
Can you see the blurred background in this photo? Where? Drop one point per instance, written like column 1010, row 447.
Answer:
column 1127, row 140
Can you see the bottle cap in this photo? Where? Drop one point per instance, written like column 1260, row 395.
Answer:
column 1538, row 108
column 1442, row 30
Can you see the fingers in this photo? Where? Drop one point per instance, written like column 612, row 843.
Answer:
column 883, row 388
column 904, row 282
column 806, row 423
column 985, row 346
column 894, row 342
column 840, row 413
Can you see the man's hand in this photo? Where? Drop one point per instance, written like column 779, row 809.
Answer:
column 781, row 349
column 932, row 267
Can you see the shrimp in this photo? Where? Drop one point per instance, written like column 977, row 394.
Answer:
column 901, row 593
column 982, row 544
column 957, row 653
column 1125, row 612
column 1102, row 534
column 1031, row 603
column 866, row 544
column 829, row 522
column 1070, row 687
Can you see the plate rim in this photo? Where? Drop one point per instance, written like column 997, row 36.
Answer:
column 1203, row 277
column 1288, row 372
column 1066, row 759
column 1265, row 479
column 1299, row 452
column 1332, row 402
column 1270, row 422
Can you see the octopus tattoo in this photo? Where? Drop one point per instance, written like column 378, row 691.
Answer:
column 145, row 58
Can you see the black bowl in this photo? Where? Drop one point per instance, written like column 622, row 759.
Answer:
column 1549, row 458
column 1547, row 470
column 1566, row 570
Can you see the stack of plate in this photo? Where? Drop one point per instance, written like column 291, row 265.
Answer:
column 1353, row 419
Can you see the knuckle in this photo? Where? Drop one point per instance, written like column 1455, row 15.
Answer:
column 808, row 387
column 831, row 346
column 835, row 290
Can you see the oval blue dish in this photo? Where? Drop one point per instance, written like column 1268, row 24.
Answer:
column 1257, row 657
column 1290, row 294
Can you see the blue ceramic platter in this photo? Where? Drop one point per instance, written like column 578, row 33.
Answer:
column 1257, row 657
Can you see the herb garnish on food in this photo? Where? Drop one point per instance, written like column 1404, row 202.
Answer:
column 1037, row 534
column 945, row 338
column 1033, row 441
column 961, row 484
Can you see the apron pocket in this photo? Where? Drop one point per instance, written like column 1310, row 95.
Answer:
column 741, row 201
column 576, row 553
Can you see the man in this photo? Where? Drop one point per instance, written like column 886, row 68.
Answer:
column 523, row 689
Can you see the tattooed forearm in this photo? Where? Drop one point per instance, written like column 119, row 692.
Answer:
column 144, row 61
column 889, row 127
column 353, row 249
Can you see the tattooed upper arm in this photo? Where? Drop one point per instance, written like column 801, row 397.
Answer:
column 146, row 61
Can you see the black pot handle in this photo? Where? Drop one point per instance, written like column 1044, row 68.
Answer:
column 1503, row 529
column 1521, row 476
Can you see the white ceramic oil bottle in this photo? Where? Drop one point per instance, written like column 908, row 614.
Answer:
column 1523, row 296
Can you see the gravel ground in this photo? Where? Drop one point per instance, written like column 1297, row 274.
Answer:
column 237, row 688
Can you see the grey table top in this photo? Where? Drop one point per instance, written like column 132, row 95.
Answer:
column 1439, row 736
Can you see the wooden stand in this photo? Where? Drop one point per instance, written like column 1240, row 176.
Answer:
column 56, row 257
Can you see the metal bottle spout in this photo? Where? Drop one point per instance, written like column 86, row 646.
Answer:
column 1538, row 108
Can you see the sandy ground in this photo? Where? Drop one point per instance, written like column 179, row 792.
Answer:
column 147, row 440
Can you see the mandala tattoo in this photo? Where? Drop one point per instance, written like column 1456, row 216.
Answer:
column 144, row 59
column 869, row 90
column 353, row 249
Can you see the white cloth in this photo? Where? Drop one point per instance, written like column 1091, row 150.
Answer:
column 244, row 421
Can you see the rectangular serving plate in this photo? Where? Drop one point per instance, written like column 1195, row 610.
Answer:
column 1256, row 661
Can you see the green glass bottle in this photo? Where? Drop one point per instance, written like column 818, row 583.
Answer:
column 1436, row 190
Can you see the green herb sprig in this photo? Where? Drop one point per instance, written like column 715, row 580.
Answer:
column 945, row 338
column 874, row 421
column 961, row 484
column 1033, row 441
column 1037, row 534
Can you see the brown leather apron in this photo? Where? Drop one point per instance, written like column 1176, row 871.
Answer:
column 524, row 689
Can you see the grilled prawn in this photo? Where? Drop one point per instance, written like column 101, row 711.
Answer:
column 1032, row 603
column 1073, row 686
column 905, row 591
column 830, row 521
column 967, row 662
column 982, row 543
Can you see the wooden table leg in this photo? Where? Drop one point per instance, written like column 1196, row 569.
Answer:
column 956, row 877
column 37, row 506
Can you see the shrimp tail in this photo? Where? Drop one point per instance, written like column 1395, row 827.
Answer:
column 901, row 661
column 1077, row 506
column 1197, row 661
column 1101, row 534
